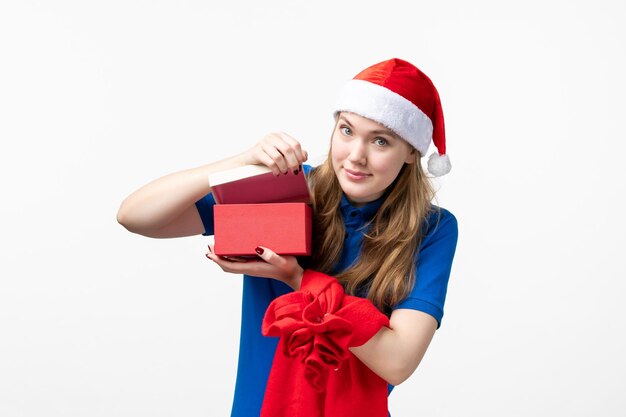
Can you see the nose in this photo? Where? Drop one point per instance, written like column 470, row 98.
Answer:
column 358, row 152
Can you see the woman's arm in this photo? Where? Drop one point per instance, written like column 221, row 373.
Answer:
column 395, row 352
column 152, row 208
column 165, row 207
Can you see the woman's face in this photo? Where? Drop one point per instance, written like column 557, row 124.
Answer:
column 366, row 157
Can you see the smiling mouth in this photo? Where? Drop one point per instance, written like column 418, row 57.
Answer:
column 356, row 174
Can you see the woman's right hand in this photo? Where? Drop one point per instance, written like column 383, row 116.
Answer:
column 278, row 151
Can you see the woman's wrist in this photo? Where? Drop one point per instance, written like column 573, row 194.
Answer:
column 244, row 158
column 296, row 281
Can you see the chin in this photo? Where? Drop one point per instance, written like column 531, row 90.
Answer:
column 359, row 196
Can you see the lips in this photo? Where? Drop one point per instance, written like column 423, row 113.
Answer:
column 356, row 174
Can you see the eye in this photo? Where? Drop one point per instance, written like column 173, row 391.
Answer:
column 346, row 130
column 381, row 141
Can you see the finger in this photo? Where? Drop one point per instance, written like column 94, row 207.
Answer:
column 290, row 148
column 236, row 259
column 270, row 256
column 269, row 162
column 210, row 251
column 222, row 262
column 251, row 267
column 213, row 256
column 297, row 148
column 276, row 156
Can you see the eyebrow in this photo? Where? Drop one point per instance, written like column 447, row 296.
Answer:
column 377, row 131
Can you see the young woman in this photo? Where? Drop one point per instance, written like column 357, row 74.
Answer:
column 375, row 229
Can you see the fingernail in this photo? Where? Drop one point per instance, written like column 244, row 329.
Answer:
column 295, row 171
column 259, row 250
column 286, row 172
column 207, row 255
column 209, row 249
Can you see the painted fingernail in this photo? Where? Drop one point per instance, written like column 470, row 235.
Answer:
column 295, row 171
column 207, row 255
column 259, row 250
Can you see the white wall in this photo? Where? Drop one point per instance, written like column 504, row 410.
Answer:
column 99, row 98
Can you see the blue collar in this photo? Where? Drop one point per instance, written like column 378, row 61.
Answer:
column 358, row 216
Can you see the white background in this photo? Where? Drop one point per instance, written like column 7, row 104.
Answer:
column 99, row 98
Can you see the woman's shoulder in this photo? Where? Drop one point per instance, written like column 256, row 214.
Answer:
column 441, row 214
column 440, row 221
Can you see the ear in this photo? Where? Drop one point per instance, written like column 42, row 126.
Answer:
column 412, row 156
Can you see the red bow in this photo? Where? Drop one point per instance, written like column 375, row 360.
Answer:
column 313, row 373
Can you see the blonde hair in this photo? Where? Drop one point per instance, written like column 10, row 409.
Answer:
column 386, row 264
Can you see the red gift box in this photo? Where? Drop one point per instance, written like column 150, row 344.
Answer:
column 284, row 228
column 256, row 184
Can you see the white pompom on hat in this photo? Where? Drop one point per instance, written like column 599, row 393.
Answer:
column 399, row 96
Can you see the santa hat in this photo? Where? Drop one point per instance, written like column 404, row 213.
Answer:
column 399, row 96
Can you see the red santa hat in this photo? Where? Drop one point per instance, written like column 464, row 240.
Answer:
column 399, row 96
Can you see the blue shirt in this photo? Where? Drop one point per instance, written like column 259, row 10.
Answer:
column 256, row 352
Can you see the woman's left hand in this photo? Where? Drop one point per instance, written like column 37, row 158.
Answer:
column 270, row 265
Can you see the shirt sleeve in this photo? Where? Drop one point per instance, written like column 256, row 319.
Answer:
column 205, row 209
column 434, row 262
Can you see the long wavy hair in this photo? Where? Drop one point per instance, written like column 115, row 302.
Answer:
column 386, row 265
